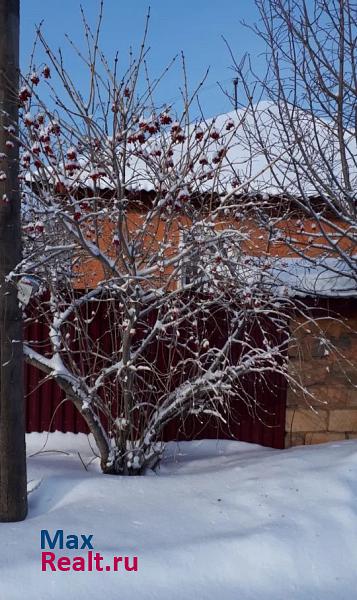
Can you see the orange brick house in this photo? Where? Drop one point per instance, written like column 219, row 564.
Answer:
column 330, row 412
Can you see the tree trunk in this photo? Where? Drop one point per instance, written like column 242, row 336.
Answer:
column 13, row 497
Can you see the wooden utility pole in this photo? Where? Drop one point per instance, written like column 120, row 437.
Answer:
column 13, row 497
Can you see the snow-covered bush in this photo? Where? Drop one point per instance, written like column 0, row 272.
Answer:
column 128, row 219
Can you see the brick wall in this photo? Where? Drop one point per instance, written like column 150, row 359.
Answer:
column 331, row 377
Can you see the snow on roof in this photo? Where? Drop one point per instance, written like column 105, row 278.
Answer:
column 243, row 134
column 321, row 277
column 328, row 278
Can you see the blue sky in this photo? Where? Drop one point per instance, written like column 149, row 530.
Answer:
column 193, row 26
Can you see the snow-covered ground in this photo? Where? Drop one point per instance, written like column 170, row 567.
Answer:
column 219, row 521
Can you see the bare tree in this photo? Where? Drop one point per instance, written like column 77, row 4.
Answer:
column 310, row 89
column 13, row 497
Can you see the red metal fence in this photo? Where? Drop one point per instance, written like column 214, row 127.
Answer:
column 47, row 410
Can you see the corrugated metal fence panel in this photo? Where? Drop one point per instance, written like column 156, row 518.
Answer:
column 264, row 423
column 47, row 410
